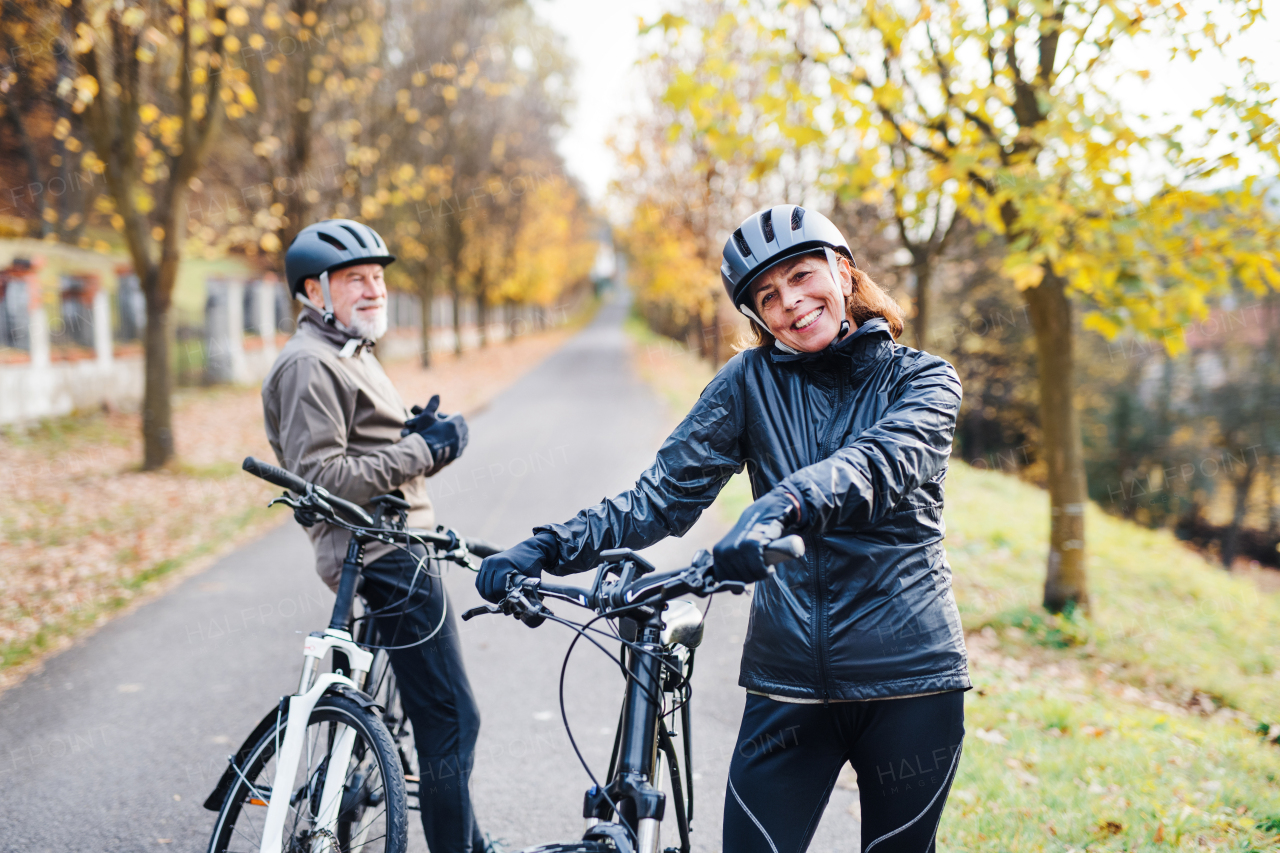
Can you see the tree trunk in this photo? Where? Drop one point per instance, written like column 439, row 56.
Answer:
column 1273, row 505
column 1231, row 537
column 455, row 290
column 157, row 410
column 1050, row 309
column 426, row 298
column 922, row 274
column 28, row 151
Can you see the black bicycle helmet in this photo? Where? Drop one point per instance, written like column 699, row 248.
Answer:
column 329, row 246
column 769, row 237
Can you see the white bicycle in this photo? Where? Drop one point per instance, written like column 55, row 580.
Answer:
column 325, row 770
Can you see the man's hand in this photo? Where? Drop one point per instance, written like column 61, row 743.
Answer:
column 528, row 558
column 739, row 556
column 446, row 435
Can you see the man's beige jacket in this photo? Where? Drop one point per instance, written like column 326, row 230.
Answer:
column 335, row 418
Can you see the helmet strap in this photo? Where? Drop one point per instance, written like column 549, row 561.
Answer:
column 328, row 314
column 302, row 297
column 751, row 314
column 833, row 265
column 325, row 311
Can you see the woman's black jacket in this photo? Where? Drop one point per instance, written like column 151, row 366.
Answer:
column 861, row 433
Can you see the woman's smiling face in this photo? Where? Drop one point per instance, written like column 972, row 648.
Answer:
column 800, row 304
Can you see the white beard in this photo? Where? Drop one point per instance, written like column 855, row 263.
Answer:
column 371, row 328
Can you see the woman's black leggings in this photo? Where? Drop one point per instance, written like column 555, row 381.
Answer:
column 905, row 752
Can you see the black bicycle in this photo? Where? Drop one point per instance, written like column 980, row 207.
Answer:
column 659, row 634
column 327, row 770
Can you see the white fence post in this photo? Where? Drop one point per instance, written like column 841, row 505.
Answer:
column 37, row 326
column 265, row 294
column 102, row 328
column 235, row 330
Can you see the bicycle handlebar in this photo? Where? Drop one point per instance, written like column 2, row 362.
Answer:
column 286, row 480
column 358, row 521
column 481, row 548
column 280, row 477
column 524, row 601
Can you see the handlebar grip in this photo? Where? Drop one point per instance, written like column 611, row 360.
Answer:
column 482, row 549
column 272, row 474
column 296, row 484
column 787, row 548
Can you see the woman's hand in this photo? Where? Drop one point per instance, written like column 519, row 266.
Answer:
column 528, row 558
column 739, row 556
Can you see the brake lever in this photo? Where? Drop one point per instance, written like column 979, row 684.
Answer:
column 731, row 587
column 526, row 605
column 480, row 611
column 286, row 499
column 301, row 508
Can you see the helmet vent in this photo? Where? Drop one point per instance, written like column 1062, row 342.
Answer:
column 797, row 217
column 332, row 241
column 766, row 224
column 742, row 243
column 356, row 234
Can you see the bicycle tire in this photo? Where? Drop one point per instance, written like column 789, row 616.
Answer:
column 234, row 831
column 384, row 688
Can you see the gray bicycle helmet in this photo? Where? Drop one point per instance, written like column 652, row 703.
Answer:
column 326, row 247
column 771, row 236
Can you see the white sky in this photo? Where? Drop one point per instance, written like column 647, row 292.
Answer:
column 603, row 38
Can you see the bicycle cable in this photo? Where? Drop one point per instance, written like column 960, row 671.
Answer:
column 385, row 611
column 581, row 631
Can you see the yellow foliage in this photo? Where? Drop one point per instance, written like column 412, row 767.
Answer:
column 551, row 249
column 666, row 267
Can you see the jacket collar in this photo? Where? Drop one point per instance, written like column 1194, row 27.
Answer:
column 342, row 339
column 867, row 338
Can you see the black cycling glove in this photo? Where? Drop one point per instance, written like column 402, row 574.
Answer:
column 739, row 556
column 446, row 435
column 528, row 558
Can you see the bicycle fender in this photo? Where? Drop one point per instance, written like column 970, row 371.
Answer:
column 279, row 713
column 364, row 700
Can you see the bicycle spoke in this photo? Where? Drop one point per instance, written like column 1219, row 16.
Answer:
column 363, row 813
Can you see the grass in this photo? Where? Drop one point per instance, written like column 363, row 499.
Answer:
column 1079, row 731
column 1162, row 616
column 53, row 632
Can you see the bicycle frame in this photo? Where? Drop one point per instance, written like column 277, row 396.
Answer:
column 634, row 767
column 665, row 633
column 312, row 685
column 312, row 504
column 663, row 638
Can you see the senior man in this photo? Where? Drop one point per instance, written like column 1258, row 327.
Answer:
column 333, row 417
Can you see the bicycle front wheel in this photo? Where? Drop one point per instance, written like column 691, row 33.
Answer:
column 371, row 817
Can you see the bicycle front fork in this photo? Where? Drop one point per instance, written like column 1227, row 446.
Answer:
column 312, row 686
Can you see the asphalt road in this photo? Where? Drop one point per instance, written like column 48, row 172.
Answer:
column 115, row 743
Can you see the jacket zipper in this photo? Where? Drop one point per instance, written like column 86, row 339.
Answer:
column 827, row 448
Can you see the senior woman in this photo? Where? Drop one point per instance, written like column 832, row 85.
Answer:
column 854, row 653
